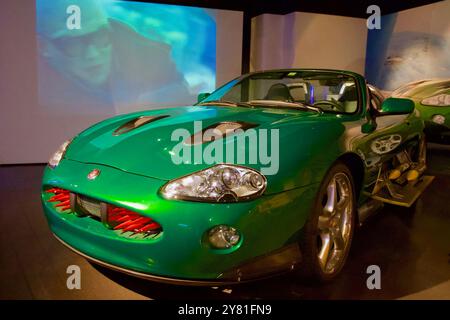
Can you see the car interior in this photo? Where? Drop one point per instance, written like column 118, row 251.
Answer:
column 340, row 97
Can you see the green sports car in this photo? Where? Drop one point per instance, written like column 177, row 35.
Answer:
column 271, row 172
column 432, row 99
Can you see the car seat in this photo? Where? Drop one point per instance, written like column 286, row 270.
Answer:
column 349, row 99
column 280, row 92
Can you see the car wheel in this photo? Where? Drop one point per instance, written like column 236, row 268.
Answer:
column 328, row 233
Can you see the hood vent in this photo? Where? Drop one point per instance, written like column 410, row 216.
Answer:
column 219, row 131
column 136, row 123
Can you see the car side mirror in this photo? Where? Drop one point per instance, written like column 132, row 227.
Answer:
column 202, row 96
column 392, row 106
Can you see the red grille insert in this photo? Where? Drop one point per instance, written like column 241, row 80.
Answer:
column 127, row 220
column 116, row 218
column 61, row 197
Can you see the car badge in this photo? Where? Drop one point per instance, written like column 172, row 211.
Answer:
column 93, row 174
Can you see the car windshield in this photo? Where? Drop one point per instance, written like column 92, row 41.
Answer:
column 322, row 91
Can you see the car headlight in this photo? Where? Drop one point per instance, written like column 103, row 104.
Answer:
column 58, row 155
column 221, row 183
column 440, row 100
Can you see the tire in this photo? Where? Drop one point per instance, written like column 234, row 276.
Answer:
column 317, row 265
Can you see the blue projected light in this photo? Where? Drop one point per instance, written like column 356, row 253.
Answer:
column 104, row 57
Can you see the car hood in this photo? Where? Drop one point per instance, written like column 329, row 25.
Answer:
column 148, row 149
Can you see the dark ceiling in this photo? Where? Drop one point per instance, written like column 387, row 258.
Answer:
column 342, row 8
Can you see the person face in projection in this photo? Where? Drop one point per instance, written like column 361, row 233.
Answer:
column 82, row 54
column 414, row 56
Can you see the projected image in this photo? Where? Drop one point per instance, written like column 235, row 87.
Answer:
column 106, row 57
column 413, row 56
column 401, row 53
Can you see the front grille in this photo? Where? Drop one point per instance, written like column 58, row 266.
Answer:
column 123, row 222
column 60, row 198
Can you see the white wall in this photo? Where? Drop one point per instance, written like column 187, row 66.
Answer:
column 433, row 18
column 29, row 134
column 228, row 46
column 267, row 42
column 22, row 131
column 308, row 40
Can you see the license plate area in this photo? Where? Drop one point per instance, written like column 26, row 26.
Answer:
column 90, row 207
column 123, row 222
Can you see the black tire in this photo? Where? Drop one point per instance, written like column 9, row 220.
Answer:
column 311, row 270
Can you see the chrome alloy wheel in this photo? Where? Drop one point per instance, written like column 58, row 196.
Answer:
column 335, row 223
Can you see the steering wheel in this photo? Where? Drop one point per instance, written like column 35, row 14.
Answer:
column 335, row 105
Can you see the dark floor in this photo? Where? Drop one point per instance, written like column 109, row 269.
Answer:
column 411, row 246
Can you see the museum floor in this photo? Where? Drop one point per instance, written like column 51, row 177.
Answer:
column 411, row 246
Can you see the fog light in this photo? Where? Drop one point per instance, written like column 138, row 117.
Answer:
column 223, row 237
column 438, row 118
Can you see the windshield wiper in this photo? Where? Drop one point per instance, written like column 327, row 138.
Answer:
column 225, row 103
column 287, row 105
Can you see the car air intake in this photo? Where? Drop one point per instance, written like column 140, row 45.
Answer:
column 136, row 123
column 219, row 131
column 124, row 222
column 61, row 198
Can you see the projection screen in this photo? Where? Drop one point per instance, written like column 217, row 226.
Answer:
column 106, row 57
column 68, row 64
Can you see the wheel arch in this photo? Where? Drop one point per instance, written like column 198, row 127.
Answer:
column 356, row 167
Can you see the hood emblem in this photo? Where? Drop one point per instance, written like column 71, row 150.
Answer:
column 93, row 174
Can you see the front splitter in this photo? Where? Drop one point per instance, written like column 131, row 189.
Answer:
column 146, row 276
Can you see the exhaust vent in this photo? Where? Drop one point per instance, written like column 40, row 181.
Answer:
column 219, row 131
column 136, row 123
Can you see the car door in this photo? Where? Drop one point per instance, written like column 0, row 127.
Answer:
column 388, row 138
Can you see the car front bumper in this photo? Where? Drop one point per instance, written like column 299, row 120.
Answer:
column 269, row 228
